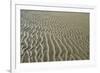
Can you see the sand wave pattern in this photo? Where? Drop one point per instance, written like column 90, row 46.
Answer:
column 53, row 36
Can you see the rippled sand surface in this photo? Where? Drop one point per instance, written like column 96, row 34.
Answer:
column 53, row 36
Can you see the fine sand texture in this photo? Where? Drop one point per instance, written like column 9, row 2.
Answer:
column 47, row 36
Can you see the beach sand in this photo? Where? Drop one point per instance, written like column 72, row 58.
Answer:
column 53, row 36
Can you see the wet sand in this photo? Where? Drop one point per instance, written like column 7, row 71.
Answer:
column 53, row 36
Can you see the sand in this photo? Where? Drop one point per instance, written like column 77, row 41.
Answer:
column 53, row 36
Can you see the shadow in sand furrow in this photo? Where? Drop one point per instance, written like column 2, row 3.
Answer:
column 38, row 56
column 51, row 47
column 60, row 48
column 82, row 44
column 68, row 48
column 44, row 48
column 81, row 52
column 63, row 48
column 25, row 43
column 57, row 54
column 75, row 51
column 24, row 58
column 47, row 45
